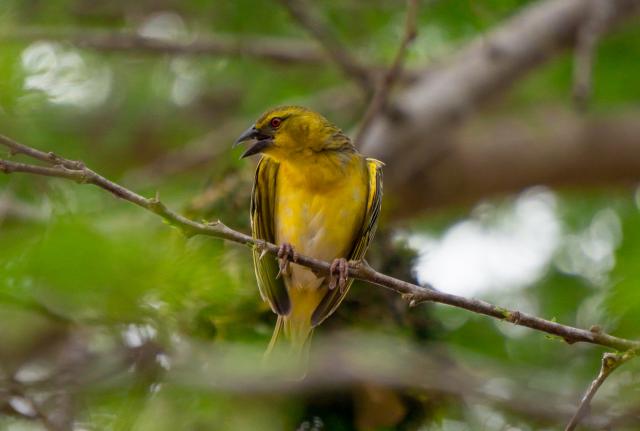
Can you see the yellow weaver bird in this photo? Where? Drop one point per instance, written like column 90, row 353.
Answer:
column 315, row 194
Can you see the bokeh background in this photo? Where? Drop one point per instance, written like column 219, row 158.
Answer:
column 110, row 320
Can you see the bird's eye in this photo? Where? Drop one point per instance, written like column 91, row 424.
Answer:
column 275, row 122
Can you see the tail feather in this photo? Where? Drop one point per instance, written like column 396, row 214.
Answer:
column 298, row 332
column 274, row 336
column 291, row 336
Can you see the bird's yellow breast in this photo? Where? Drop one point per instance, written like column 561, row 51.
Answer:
column 319, row 210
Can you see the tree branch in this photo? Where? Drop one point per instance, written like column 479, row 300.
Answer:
column 77, row 171
column 443, row 98
column 303, row 12
column 610, row 361
column 381, row 94
column 272, row 49
column 500, row 155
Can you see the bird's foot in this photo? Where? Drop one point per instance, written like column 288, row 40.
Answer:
column 286, row 254
column 338, row 272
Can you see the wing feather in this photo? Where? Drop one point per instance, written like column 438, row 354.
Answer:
column 334, row 297
column 263, row 200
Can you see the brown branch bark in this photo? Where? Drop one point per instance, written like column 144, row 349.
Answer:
column 272, row 49
column 610, row 361
column 77, row 171
column 443, row 98
column 496, row 156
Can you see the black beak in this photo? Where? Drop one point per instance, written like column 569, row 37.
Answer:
column 263, row 141
column 256, row 148
column 248, row 134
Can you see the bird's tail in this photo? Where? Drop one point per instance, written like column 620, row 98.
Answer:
column 292, row 337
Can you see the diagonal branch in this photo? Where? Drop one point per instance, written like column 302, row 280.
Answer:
column 77, row 171
column 610, row 361
column 381, row 94
column 303, row 12
column 439, row 102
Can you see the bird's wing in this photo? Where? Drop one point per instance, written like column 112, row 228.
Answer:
column 334, row 297
column 272, row 289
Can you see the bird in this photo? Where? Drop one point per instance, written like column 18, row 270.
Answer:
column 313, row 194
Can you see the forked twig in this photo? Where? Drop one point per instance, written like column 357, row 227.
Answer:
column 610, row 361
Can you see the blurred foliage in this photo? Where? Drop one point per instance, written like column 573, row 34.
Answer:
column 81, row 262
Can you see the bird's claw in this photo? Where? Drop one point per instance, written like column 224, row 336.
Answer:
column 338, row 271
column 286, row 254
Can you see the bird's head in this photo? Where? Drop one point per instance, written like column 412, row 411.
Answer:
column 290, row 132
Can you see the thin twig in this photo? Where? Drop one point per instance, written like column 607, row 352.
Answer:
column 77, row 171
column 303, row 12
column 610, row 361
column 379, row 100
column 588, row 35
column 272, row 49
